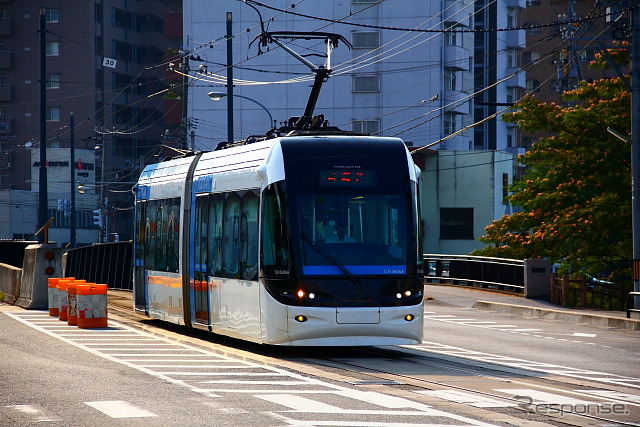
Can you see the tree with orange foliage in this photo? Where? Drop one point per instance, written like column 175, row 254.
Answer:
column 575, row 196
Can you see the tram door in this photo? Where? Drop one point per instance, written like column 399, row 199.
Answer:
column 200, row 286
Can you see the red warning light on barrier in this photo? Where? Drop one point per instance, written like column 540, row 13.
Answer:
column 49, row 255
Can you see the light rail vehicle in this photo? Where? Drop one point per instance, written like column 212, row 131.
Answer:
column 293, row 240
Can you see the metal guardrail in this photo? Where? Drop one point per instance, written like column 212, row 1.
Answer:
column 109, row 263
column 501, row 274
column 631, row 304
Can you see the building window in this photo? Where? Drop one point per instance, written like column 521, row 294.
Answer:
column 456, row 223
column 450, row 35
column 53, row 114
column 53, row 15
column 533, row 86
column 449, row 79
column 530, row 57
column 365, row 39
column 365, row 126
column 53, row 48
column 449, row 123
column 366, row 83
column 512, row 58
column 512, row 17
column 53, row 81
column 505, row 186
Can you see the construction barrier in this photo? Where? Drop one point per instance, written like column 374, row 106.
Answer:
column 63, row 300
column 54, row 304
column 92, row 305
column 72, row 315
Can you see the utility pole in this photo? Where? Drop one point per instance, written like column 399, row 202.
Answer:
column 42, row 180
column 635, row 147
column 229, row 38
column 72, row 166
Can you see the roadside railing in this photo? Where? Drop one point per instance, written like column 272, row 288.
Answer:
column 582, row 292
column 501, row 274
column 529, row 277
column 109, row 263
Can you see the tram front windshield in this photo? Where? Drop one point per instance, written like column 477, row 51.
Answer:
column 332, row 228
column 364, row 233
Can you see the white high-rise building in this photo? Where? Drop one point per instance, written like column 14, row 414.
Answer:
column 419, row 70
column 403, row 75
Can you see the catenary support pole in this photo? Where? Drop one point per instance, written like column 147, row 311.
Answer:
column 635, row 147
column 229, row 78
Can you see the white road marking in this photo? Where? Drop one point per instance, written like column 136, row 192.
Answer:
column 467, row 398
column 543, row 398
column 611, row 394
column 33, row 414
column 446, row 350
column 120, row 409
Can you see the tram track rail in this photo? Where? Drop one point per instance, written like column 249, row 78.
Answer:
column 361, row 367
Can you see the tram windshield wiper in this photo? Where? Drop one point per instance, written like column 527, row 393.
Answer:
column 327, row 256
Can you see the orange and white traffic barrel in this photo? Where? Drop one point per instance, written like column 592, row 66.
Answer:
column 63, row 300
column 54, row 304
column 72, row 314
column 92, row 305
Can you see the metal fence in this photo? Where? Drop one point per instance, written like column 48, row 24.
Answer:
column 484, row 272
column 109, row 263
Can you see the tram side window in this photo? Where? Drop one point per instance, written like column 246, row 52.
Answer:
column 216, row 207
column 275, row 248
column 161, row 234
column 233, row 235
column 249, row 236
column 201, row 233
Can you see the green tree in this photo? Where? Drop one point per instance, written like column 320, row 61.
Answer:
column 575, row 196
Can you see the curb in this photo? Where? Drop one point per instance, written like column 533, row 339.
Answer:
column 562, row 315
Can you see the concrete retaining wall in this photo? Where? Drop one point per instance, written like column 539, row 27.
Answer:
column 34, row 292
column 10, row 279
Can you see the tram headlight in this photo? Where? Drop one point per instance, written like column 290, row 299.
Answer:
column 301, row 293
column 409, row 317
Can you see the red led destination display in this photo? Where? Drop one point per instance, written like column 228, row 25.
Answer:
column 347, row 178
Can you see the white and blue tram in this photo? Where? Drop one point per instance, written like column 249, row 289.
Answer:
column 296, row 240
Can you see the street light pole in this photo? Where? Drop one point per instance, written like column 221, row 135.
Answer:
column 217, row 96
column 43, row 202
column 72, row 164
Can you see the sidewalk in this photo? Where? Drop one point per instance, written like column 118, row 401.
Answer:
column 512, row 304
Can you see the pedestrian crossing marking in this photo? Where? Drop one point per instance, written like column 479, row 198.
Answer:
column 120, row 409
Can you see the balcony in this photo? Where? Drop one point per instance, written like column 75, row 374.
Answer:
column 5, row 27
column 517, row 4
column 5, row 59
column 519, row 80
column 456, row 11
column 456, row 57
column 456, row 102
column 5, row 93
column 516, row 39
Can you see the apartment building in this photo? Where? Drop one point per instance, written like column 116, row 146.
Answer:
column 103, row 65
